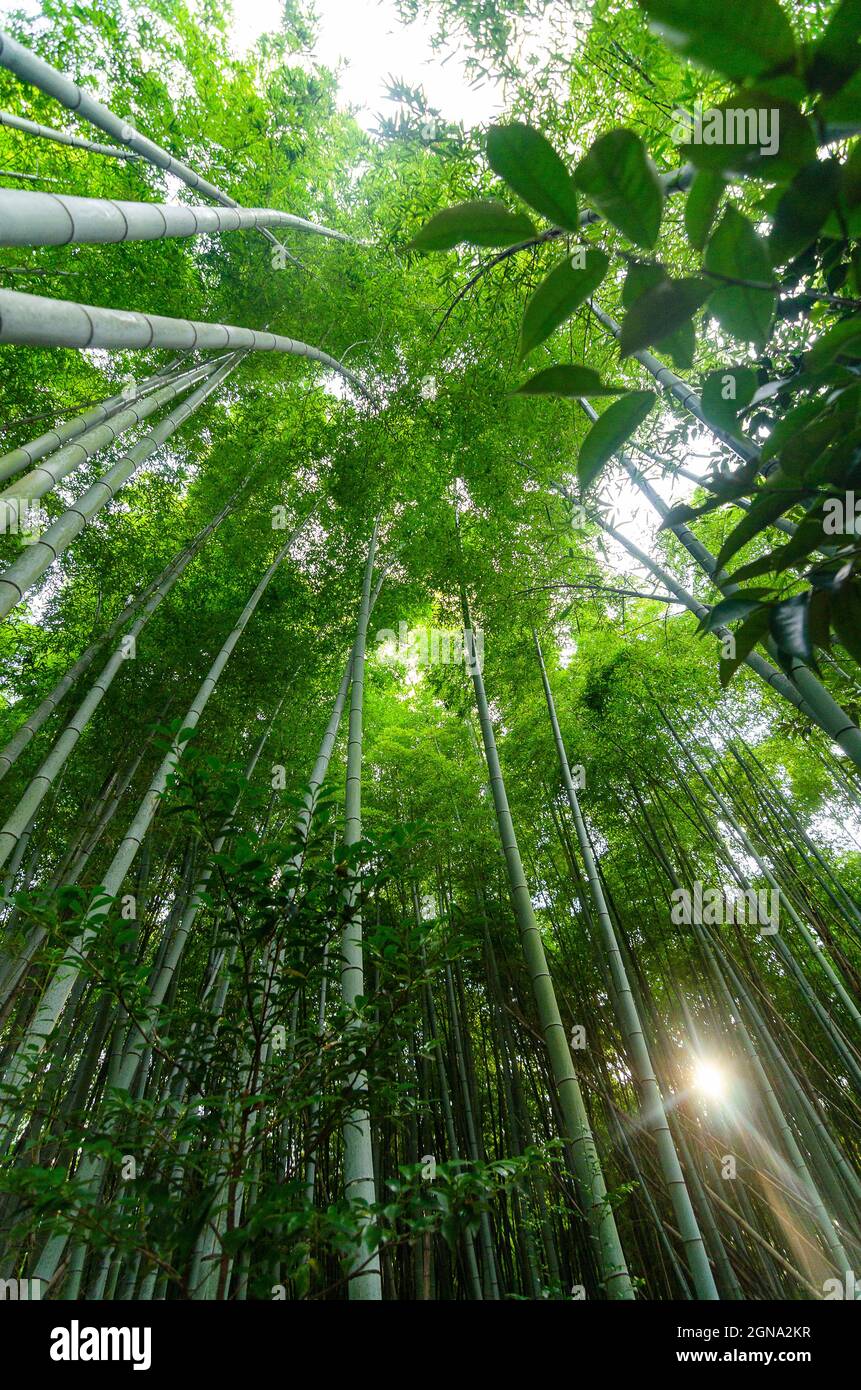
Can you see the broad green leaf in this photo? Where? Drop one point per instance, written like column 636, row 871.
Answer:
column 775, row 497
column 844, row 340
column 701, row 206
column 803, row 449
column 640, row 277
column 485, row 223
column 808, row 537
column 562, row 291
column 803, row 209
column 752, row 630
column 753, row 133
column 844, row 106
column 740, row 40
column 570, row 381
column 837, row 465
column 609, row 433
column 621, row 180
column 532, row 168
column 725, row 393
column 730, row 609
column 837, row 55
column 787, row 427
column 852, row 175
column 788, row 627
column 819, row 619
column 661, row 312
column 736, row 252
column 846, row 616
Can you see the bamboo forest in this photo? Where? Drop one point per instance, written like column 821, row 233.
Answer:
column 430, row 620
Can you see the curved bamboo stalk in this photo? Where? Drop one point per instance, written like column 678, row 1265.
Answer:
column 29, row 68
column 62, row 137
column 42, row 781
column 28, row 218
column 34, row 722
column 30, row 320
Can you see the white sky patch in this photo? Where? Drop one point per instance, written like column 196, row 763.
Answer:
column 366, row 44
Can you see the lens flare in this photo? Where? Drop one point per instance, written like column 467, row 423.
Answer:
column 709, row 1079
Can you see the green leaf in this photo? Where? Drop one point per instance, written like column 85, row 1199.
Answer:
column 609, row 433
column 532, row 168
column 485, row 223
column 641, row 276
column 726, row 392
column 753, row 133
column 661, row 312
column 787, row 427
column 558, row 295
column 730, row 609
column 844, row 340
column 773, row 499
column 846, row 616
column 803, row 209
column 735, row 251
column 621, row 180
column 701, row 206
column 752, row 630
column 788, row 626
column 819, row 619
column 569, row 381
column 843, row 107
column 837, row 55
column 808, row 537
column 739, row 40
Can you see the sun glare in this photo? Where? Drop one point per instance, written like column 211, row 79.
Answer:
column 709, row 1079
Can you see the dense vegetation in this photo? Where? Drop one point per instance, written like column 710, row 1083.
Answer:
column 429, row 872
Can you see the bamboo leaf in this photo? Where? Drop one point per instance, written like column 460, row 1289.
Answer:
column 730, row 609
column 788, row 626
column 772, row 501
column 846, row 616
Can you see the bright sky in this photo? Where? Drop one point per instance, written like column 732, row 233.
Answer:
column 366, row 40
